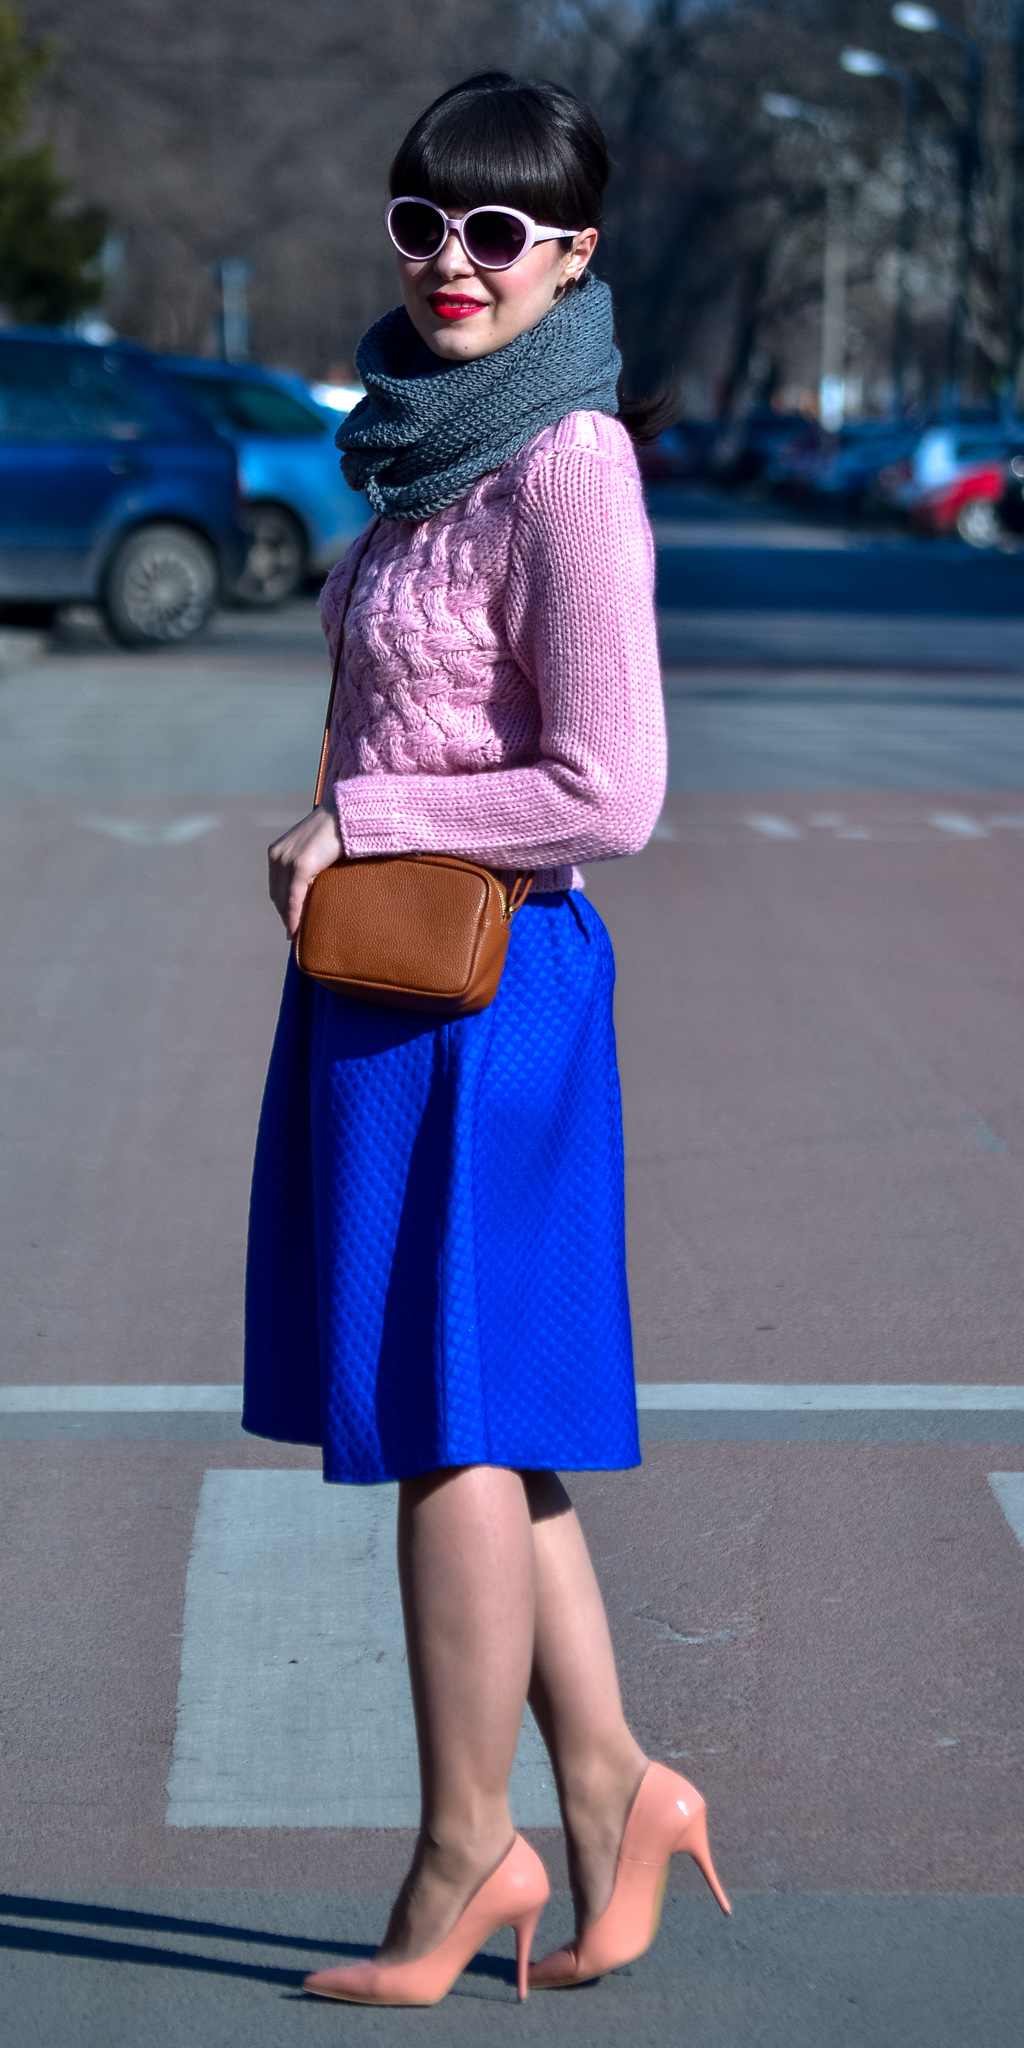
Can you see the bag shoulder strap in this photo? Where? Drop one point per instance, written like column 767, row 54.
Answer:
column 338, row 653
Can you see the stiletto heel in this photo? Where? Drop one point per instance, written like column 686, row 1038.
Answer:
column 526, row 1928
column 693, row 1841
column 668, row 1814
column 513, row 1896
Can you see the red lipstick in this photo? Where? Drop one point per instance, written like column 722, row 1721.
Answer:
column 454, row 306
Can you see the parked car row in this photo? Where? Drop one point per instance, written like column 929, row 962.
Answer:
column 841, row 470
column 954, row 481
column 296, row 504
column 726, row 452
column 965, row 479
column 155, row 486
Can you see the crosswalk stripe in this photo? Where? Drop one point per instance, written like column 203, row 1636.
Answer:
column 697, row 1396
column 739, row 1396
column 1008, row 1488
column 293, row 1703
column 121, row 1400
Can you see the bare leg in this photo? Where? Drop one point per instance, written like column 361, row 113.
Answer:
column 574, row 1693
column 466, row 1564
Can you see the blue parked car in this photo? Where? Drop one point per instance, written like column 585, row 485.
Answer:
column 113, row 489
column 298, row 507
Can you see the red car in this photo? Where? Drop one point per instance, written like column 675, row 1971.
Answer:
column 953, row 482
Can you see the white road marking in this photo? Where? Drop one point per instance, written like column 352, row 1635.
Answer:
column 772, row 827
column 151, row 831
column 984, row 1135
column 703, row 1396
column 1008, row 1488
column 19, row 647
column 744, row 1396
column 960, row 826
column 293, row 1705
column 907, row 828
column 147, row 1400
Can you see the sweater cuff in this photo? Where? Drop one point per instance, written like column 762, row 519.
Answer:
column 366, row 824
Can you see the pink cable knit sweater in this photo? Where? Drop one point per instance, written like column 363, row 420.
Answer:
column 500, row 697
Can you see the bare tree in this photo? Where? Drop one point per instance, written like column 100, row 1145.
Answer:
column 245, row 128
column 249, row 129
column 717, row 215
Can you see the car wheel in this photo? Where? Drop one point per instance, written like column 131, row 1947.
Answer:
column 977, row 523
column 160, row 587
column 275, row 567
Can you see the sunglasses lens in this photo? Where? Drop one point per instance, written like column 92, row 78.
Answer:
column 494, row 239
column 417, row 229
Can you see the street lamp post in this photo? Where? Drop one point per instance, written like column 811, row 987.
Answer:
column 868, row 64
column 832, row 380
column 1015, row 335
column 924, row 21
column 233, row 272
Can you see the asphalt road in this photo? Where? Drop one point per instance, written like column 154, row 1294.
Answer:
column 817, row 1593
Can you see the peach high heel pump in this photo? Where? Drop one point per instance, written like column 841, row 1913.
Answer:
column 514, row 1895
column 667, row 1815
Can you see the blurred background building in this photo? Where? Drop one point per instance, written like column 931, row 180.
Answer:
column 818, row 205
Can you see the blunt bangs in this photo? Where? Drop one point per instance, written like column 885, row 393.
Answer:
column 511, row 142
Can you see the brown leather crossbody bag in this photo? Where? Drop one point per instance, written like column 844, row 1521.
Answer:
column 416, row 931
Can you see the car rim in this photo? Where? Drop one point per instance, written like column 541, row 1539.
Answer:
column 166, row 593
column 978, row 523
column 274, row 561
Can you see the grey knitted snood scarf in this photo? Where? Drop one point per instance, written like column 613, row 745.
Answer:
column 427, row 430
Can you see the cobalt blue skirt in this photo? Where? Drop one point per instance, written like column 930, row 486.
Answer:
column 436, row 1266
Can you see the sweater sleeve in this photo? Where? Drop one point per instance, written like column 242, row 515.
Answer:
column 580, row 622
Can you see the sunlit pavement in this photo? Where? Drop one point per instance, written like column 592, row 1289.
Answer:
column 818, row 1595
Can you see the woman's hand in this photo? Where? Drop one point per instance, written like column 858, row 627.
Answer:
column 296, row 861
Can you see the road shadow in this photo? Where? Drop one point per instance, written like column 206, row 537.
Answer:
column 59, row 1941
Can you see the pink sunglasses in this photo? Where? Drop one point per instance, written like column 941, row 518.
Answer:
column 493, row 236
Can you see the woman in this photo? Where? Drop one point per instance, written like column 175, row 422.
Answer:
column 436, row 1286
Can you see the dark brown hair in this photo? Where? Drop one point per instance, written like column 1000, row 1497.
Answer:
column 522, row 142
